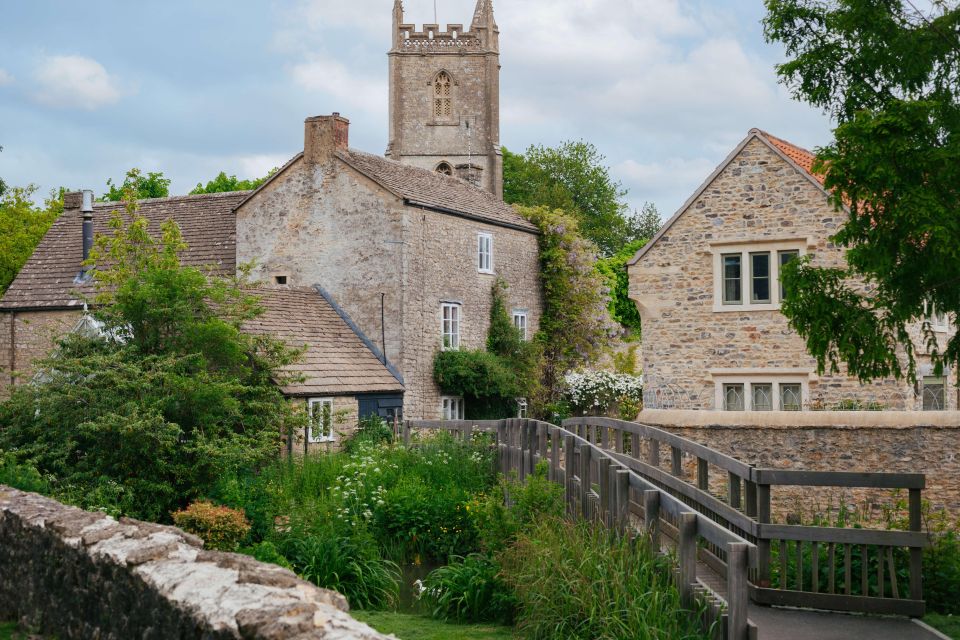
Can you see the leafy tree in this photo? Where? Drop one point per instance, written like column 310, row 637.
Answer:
column 22, row 226
column 575, row 324
column 3, row 185
column 224, row 183
column 153, row 185
column 890, row 78
column 573, row 177
column 145, row 415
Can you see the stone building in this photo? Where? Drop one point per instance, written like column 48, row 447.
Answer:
column 708, row 293
column 373, row 264
column 445, row 97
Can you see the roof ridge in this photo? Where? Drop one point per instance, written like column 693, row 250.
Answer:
column 190, row 196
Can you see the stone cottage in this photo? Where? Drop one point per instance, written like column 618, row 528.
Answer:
column 373, row 264
column 708, row 291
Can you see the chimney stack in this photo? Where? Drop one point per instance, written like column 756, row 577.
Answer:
column 84, row 202
column 323, row 136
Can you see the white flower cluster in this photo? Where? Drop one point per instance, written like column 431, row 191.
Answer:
column 599, row 390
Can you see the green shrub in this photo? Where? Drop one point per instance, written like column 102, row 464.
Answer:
column 941, row 567
column 372, row 430
column 266, row 551
column 345, row 560
column 221, row 528
column 469, row 590
column 580, row 581
column 21, row 476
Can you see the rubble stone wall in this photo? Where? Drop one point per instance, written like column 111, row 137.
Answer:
column 75, row 574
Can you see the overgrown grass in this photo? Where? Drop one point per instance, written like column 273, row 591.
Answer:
column 580, row 581
column 948, row 624
column 414, row 627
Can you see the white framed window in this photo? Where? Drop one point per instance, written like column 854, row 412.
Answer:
column 451, row 408
column 484, row 253
column 934, row 392
column 450, row 326
column 320, row 428
column 761, row 390
column 939, row 321
column 746, row 275
column 520, row 322
column 522, row 407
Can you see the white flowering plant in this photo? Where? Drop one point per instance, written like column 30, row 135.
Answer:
column 603, row 393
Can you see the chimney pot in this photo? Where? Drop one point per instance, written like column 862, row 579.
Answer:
column 324, row 136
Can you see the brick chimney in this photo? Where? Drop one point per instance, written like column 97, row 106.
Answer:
column 324, row 135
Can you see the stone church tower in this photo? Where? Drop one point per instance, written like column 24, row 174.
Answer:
column 445, row 97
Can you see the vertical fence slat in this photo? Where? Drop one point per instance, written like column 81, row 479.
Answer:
column 703, row 475
column 750, row 498
column 651, row 516
column 737, row 590
column 676, row 462
column 784, row 550
column 894, row 591
column 554, row 456
column 832, row 563
column 687, row 552
column 864, row 571
column 815, row 568
column 880, row 579
column 916, row 555
column 623, row 498
column 799, row 565
column 733, row 490
column 585, row 475
column 635, row 445
column 653, row 453
column 604, row 438
column 569, row 471
column 603, row 477
column 847, row 570
column 763, row 515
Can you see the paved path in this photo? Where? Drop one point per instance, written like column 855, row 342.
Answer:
column 796, row 624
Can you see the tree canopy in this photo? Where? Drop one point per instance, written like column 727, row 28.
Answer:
column 573, row 177
column 22, row 226
column 152, row 185
column 224, row 183
column 163, row 396
column 890, row 78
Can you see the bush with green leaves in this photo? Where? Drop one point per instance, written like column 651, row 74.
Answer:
column 370, row 430
column 580, row 581
column 469, row 589
column 266, row 551
column 173, row 396
column 21, row 476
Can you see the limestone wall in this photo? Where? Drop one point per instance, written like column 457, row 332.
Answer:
column 901, row 442
column 690, row 342
column 33, row 334
column 76, row 574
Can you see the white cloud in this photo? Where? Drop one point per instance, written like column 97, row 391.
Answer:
column 5, row 78
column 75, row 82
column 344, row 86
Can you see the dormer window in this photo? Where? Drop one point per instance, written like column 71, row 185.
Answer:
column 442, row 96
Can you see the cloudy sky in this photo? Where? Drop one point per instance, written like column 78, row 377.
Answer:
column 664, row 88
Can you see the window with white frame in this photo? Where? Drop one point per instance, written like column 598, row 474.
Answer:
column 522, row 407
column 451, row 408
column 747, row 275
column 320, row 428
column 484, row 253
column 520, row 322
column 450, row 326
column 939, row 321
column 761, row 392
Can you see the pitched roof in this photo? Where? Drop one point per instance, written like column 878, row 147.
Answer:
column 797, row 157
column 436, row 190
column 337, row 361
column 800, row 156
column 47, row 279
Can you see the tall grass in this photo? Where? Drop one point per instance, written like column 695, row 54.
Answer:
column 579, row 581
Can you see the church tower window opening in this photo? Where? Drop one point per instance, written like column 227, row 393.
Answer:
column 445, row 169
column 442, row 96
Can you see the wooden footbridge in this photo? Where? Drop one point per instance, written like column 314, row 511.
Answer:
column 731, row 555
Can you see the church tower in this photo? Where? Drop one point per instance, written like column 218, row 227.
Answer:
column 445, row 97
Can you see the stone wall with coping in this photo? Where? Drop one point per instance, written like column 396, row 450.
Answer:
column 76, row 574
column 865, row 441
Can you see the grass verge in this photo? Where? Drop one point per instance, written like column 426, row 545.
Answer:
column 949, row 625
column 413, row 627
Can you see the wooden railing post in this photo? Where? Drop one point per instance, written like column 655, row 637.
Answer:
column 622, row 484
column 603, row 477
column 569, row 471
column 687, row 552
column 737, row 590
column 703, row 477
column 733, row 490
column 916, row 555
column 651, row 517
column 750, row 498
column 503, row 447
column 585, row 475
column 676, row 462
column 635, row 445
column 763, row 543
column 653, row 453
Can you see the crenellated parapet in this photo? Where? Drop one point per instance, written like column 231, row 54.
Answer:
column 432, row 38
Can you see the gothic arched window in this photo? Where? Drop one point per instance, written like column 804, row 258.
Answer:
column 442, row 96
column 445, row 168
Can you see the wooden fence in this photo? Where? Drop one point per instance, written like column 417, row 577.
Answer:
column 600, row 484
